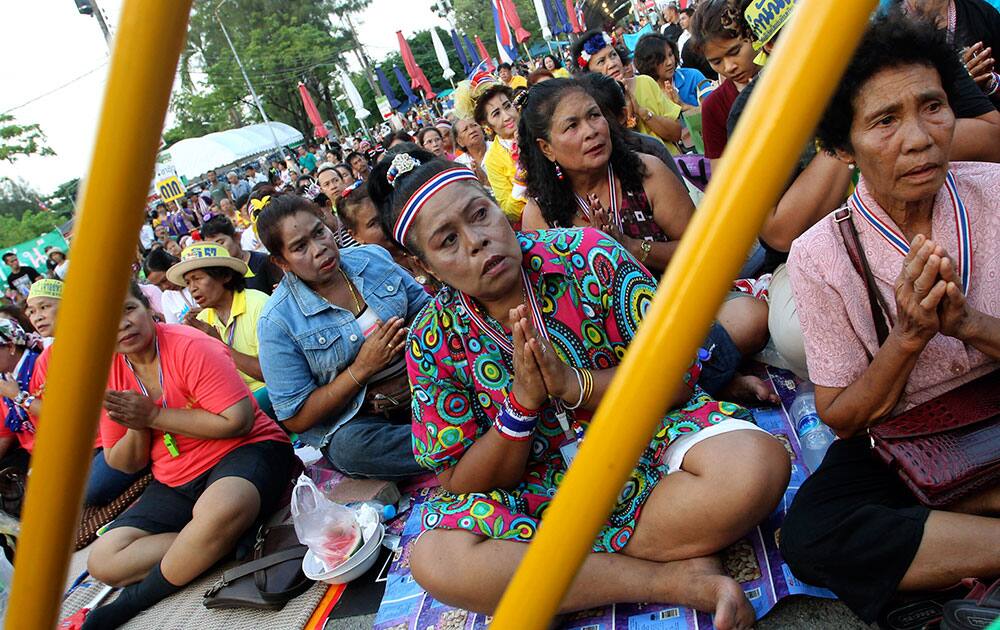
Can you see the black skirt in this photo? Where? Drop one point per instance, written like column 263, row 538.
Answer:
column 853, row 528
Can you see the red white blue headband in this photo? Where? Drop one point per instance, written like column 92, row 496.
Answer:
column 422, row 195
column 596, row 43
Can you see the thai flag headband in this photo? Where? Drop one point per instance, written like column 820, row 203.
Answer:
column 591, row 47
column 423, row 194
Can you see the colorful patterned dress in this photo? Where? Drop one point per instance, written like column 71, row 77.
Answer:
column 592, row 294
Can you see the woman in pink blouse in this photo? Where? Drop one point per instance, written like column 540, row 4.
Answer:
column 930, row 231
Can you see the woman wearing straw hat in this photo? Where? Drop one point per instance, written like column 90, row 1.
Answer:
column 227, row 310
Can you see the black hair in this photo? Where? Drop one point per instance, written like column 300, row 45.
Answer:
column 401, row 136
column 352, row 155
column 892, row 41
column 18, row 315
column 423, row 134
column 390, row 198
column 555, row 60
column 7, row 255
column 608, row 93
column 159, row 259
column 219, row 224
column 554, row 196
column 650, row 52
column 344, row 167
column 278, row 208
column 346, row 206
column 688, row 11
column 231, row 280
column 504, row 66
column 718, row 19
column 134, row 290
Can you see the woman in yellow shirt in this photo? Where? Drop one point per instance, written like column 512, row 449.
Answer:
column 553, row 65
column 653, row 113
column 228, row 311
column 490, row 103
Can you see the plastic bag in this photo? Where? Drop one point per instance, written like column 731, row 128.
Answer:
column 329, row 529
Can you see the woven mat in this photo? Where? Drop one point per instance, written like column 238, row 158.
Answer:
column 184, row 610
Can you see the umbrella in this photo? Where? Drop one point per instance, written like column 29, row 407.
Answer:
column 457, row 43
column 474, row 57
column 556, row 23
column 410, row 96
column 442, row 56
column 387, row 88
column 484, row 54
column 354, row 97
column 561, row 11
column 543, row 19
column 509, row 12
column 319, row 129
column 417, row 77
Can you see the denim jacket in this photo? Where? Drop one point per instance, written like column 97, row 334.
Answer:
column 305, row 341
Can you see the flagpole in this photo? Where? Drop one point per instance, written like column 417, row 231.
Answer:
column 526, row 51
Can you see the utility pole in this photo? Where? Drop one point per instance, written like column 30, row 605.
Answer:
column 246, row 78
column 89, row 7
column 359, row 51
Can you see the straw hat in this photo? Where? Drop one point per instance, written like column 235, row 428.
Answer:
column 202, row 255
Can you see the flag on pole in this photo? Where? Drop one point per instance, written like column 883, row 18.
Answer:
column 441, row 55
column 484, row 54
column 571, row 12
column 457, row 43
column 543, row 18
column 580, row 19
column 387, row 88
column 506, row 47
column 474, row 56
column 510, row 15
column 319, row 129
column 410, row 96
column 418, row 79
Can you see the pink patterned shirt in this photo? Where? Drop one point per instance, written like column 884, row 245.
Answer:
column 832, row 302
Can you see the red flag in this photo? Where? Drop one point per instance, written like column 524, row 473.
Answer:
column 514, row 20
column 481, row 47
column 571, row 12
column 319, row 129
column 417, row 78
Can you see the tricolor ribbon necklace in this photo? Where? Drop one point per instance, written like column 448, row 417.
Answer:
column 898, row 242
column 616, row 214
column 168, row 440
column 572, row 432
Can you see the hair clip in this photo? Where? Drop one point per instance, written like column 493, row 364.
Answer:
column 401, row 164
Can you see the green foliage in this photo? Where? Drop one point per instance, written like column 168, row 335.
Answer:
column 29, row 226
column 62, row 201
column 16, row 198
column 17, row 141
column 21, row 215
column 474, row 17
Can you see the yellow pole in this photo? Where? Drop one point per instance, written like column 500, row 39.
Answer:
column 144, row 60
column 811, row 57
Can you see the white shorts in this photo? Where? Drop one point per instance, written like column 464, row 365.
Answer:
column 674, row 456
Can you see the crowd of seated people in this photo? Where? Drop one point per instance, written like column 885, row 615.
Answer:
column 456, row 302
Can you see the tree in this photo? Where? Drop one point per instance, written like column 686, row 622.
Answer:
column 17, row 141
column 31, row 225
column 16, row 198
column 62, row 201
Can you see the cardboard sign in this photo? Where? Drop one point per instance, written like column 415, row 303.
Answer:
column 170, row 188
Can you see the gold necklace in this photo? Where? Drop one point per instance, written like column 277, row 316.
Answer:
column 350, row 287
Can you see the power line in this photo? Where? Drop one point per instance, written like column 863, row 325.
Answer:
column 56, row 89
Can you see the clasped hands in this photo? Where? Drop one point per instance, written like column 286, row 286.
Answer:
column 539, row 373
column 929, row 296
column 131, row 409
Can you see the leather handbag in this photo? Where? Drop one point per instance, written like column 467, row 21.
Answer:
column 270, row 579
column 946, row 448
column 12, row 490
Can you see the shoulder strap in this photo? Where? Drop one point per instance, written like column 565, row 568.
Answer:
column 292, row 553
column 880, row 312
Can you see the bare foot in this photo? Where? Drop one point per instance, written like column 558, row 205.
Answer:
column 749, row 389
column 702, row 584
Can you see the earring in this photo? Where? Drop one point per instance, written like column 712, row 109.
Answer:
column 559, row 173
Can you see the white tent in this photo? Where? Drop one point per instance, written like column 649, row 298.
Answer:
column 195, row 156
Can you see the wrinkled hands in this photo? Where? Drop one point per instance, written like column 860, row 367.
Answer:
column 131, row 409
column 538, row 371
column 979, row 62
column 191, row 319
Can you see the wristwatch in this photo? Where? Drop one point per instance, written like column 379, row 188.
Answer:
column 644, row 249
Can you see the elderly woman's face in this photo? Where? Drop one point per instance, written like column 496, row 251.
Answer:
column 467, row 243
column 607, row 62
column 901, row 133
column 579, row 138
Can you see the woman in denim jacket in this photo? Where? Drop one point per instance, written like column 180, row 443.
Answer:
column 331, row 342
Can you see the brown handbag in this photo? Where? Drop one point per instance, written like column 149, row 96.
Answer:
column 946, row 448
column 270, row 579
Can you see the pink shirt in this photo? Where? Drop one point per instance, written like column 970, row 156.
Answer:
column 832, row 302
column 197, row 373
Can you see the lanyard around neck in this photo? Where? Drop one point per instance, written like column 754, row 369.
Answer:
column 612, row 197
column 168, row 440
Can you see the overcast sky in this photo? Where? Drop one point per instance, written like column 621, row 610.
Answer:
column 49, row 45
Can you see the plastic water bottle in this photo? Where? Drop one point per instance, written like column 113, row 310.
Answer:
column 814, row 436
column 386, row 512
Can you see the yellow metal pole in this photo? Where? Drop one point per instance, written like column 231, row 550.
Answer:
column 811, row 57
column 144, row 60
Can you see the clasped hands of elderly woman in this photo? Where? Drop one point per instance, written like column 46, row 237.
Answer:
column 929, row 299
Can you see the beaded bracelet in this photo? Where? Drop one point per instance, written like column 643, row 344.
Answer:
column 513, row 425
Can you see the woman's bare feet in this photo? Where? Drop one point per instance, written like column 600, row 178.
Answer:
column 749, row 389
column 702, row 584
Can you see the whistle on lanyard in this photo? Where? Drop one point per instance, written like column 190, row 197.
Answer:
column 171, row 444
